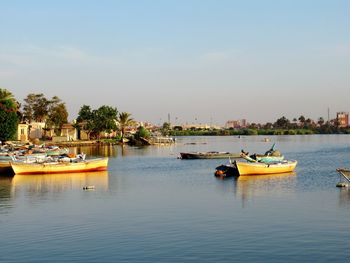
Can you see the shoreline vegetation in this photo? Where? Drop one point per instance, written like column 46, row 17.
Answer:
column 106, row 125
column 248, row 132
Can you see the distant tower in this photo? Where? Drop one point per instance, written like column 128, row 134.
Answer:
column 169, row 118
column 328, row 114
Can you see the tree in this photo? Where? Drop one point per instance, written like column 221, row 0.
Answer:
column 166, row 128
column 35, row 107
column 6, row 95
column 142, row 132
column 96, row 121
column 85, row 120
column 309, row 123
column 268, row 125
column 104, row 119
column 282, row 122
column 57, row 114
column 8, row 115
column 320, row 121
column 302, row 120
column 124, row 121
column 253, row 126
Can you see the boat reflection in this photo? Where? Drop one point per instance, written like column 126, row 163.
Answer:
column 267, row 177
column 57, row 183
column 344, row 197
column 5, row 193
column 99, row 150
column 254, row 186
column 116, row 150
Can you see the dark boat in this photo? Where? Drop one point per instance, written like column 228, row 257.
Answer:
column 226, row 170
column 208, row 155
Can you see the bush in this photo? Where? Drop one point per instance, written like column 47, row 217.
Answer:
column 142, row 132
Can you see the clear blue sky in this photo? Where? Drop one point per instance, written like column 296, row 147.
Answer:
column 206, row 60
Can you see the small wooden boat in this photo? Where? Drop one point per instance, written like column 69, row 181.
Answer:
column 98, row 164
column 208, row 155
column 345, row 173
column 238, row 168
column 246, row 168
column 226, row 170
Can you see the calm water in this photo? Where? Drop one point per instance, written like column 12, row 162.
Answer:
column 152, row 207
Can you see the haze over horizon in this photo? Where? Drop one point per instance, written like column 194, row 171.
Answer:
column 200, row 61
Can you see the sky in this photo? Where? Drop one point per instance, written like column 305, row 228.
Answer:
column 200, row 61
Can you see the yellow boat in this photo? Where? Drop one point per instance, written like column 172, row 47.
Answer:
column 344, row 171
column 98, row 164
column 246, row 168
column 346, row 174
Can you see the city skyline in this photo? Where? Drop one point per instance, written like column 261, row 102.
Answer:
column 205, row 60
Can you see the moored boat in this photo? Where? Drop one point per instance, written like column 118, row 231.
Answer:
column 257, row 168
column 238, row 168
column 90, row 165
column 226, row 170
column 208, row 155
column 345, row 173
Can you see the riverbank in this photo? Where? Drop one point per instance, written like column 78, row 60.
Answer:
column 249, row 131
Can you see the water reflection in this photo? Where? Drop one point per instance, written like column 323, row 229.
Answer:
column 58, row 183
column 99, row 150
column 5, row 193
column 255, row 186
column 344, row 196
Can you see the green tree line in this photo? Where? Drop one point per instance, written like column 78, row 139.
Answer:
column 38, row 108
column 53, row 112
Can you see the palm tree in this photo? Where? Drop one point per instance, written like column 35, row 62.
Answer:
column 6, row 95
column 302, row 120
column 124, row 121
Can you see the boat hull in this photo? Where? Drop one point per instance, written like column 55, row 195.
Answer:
column 92, row 165
column 245, row 168
column 225, row 171
column 5, row 168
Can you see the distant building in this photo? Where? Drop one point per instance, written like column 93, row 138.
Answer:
column 236, row 124
column 36, row 130
column 22, row 132
column 69, row 132
column 343, row 119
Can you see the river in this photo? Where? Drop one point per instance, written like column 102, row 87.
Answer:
column 152, row 207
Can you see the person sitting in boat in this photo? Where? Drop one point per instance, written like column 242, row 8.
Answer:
column 244, row 153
